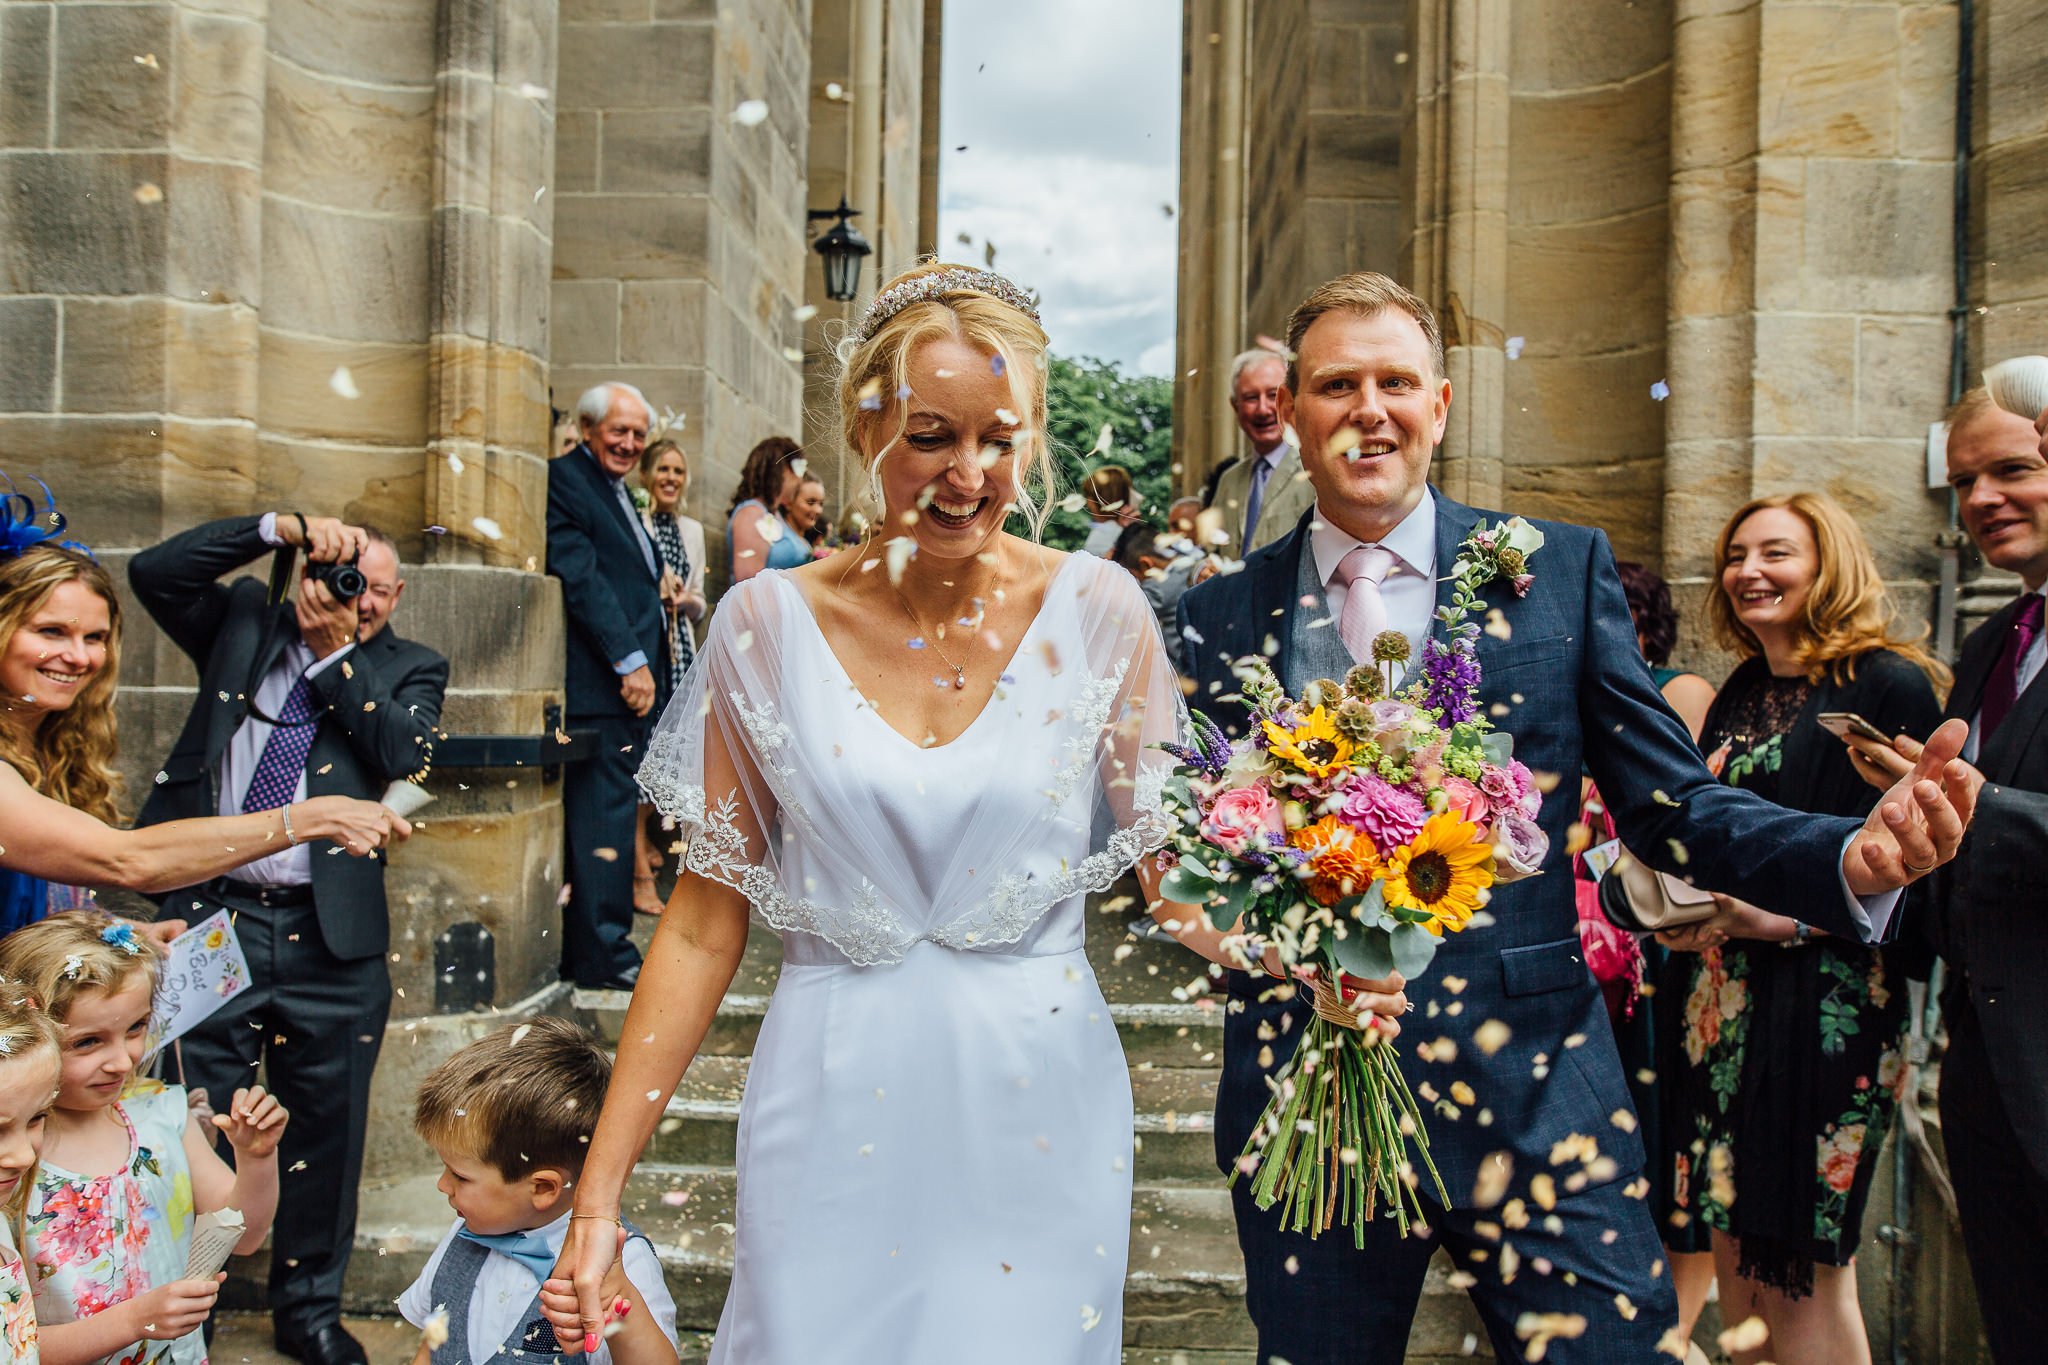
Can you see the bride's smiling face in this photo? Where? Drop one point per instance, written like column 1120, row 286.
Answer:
column 949, row 478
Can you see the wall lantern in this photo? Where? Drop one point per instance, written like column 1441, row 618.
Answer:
column 842, row 246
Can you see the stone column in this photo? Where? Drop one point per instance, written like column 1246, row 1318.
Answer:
column 1210, row 322
column 1458, row 243
column 2009, row 183
column 679, row 248
column 1811, row 260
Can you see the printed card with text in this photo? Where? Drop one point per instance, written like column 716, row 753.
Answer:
column 202, row 970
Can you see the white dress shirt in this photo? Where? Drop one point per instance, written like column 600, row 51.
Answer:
column 504, row 1288
column 1409, row 589
column 2030, row 669
column 293, row 865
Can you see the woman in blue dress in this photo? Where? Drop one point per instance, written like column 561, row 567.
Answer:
column 757, row 529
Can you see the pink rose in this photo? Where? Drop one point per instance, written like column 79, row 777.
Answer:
column 1525, row 783
column 1465, row 801
column 1241, row 816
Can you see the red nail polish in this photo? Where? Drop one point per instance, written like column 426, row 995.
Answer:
column 589, row 1343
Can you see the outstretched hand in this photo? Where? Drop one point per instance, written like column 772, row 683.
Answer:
column 573, row 1297
column 1920, row 822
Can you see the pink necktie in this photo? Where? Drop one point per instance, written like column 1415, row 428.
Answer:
column 1365, row 612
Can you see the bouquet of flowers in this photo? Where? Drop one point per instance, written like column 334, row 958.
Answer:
column 1349, row 831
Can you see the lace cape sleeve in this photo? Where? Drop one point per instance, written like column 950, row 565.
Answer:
column 727, row 765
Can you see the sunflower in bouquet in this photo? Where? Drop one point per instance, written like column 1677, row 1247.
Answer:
column 1349, row 830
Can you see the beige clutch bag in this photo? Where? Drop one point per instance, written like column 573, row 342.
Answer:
column 1657, row 900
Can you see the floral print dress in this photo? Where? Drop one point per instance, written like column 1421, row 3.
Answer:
column 95, row 1241
column 1786, row 1059
column 17, row 1303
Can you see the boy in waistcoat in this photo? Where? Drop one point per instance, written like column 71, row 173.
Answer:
column 510, row 1117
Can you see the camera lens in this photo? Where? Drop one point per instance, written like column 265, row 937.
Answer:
column 345, row 581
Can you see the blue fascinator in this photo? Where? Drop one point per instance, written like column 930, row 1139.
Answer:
column 22, row 527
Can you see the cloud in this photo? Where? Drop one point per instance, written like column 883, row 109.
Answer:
column 1069, row 113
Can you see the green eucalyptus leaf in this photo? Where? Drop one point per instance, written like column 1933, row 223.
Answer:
column 1230, row 900
column 1364, row 952
column 1499, row 746
column 1413, row 947
column 1187, row 885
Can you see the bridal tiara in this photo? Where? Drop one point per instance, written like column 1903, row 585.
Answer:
column 937, row 284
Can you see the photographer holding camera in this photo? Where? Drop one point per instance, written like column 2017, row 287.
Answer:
column 304, row 690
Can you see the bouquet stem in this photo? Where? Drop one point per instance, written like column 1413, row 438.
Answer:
column 1333, row 1141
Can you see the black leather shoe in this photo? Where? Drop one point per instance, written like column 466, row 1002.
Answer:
column 329, row 1345
column 624, row 981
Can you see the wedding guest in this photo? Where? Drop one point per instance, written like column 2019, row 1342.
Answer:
column 1112, row 504
column 60, row 650
column 1782, row 1046
column 1984, row 915
column 757, row 528
column 1182, row 530
column 679, row 541
column 1264, row 492
column 1631, row 974
column 1163, row 574
column 510, row 1117
column 316, row 695
column 611, row 597
column 807, row 512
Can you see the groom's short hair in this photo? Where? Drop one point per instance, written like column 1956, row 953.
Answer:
column 1366, row 293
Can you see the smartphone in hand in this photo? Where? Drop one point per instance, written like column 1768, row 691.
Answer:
column 1842, row 724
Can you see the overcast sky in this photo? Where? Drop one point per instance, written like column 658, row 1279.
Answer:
column 1069, row 114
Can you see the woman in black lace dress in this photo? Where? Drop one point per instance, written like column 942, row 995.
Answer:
column 1781, row 1046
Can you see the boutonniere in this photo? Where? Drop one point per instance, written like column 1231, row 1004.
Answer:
column 642, row 499
column 1501, row 551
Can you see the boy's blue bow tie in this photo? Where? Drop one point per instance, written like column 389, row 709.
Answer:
column 530, row 1249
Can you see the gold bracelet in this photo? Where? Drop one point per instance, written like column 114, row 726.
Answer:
column 598, row 1218
column 289, row 837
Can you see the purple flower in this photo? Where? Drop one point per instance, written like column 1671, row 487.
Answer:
column 1451, row 681
column 1524, row 582
column 1519, row 848
column 1386, row 814
column 1500, row 789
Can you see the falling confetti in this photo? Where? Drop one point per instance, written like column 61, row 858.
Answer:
column 148, row 59
column 487, row 528
column 344, row 383
column 1514, row 348
column 149, row 192
column 804, row 313
column 1660, row 391
column 751, row 113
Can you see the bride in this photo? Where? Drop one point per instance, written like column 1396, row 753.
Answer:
column 912, row 760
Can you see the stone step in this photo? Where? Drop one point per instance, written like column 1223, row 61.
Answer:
column 1185, row 1288
column 1175, row 1110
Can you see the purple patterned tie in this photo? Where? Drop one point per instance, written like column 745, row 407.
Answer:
column 2002, row 688
column 276, row 778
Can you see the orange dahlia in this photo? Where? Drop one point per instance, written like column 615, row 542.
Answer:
column 1342, row 862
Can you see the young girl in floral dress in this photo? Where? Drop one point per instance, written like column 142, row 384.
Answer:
column 28, row 1085
column 126, row 1167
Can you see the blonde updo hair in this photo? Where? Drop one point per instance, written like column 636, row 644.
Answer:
column 879, row 368
column 26, row 1033
column 66, row 954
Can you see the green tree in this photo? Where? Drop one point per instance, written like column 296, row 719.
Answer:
column 1081, row 396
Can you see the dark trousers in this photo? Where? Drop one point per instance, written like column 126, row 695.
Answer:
column 1323, row 1301
column 313, row 1022
column 599, row 803
column 2001, row 1196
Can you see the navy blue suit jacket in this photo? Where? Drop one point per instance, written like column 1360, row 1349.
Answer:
column 1570, row 684
column 612, row 602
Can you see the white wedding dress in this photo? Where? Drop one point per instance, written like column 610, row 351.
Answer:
column 935, row 1144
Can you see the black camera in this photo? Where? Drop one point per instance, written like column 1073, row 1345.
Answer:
column 343, row 579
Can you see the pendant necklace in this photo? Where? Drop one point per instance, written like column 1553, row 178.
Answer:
column 959, row 672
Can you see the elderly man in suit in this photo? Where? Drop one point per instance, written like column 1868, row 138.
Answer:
column 1549, row 1125
column 611, row 594
column 1262, row 493
column 1983, row 914
column 313, row 697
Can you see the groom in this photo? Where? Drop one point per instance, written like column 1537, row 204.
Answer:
column 1508, row 1045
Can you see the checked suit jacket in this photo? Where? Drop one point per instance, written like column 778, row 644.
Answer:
column 377, row 715
column 1566, row 679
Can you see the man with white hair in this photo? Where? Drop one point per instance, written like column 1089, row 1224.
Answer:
column 1263, row 493
column 611, row 596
